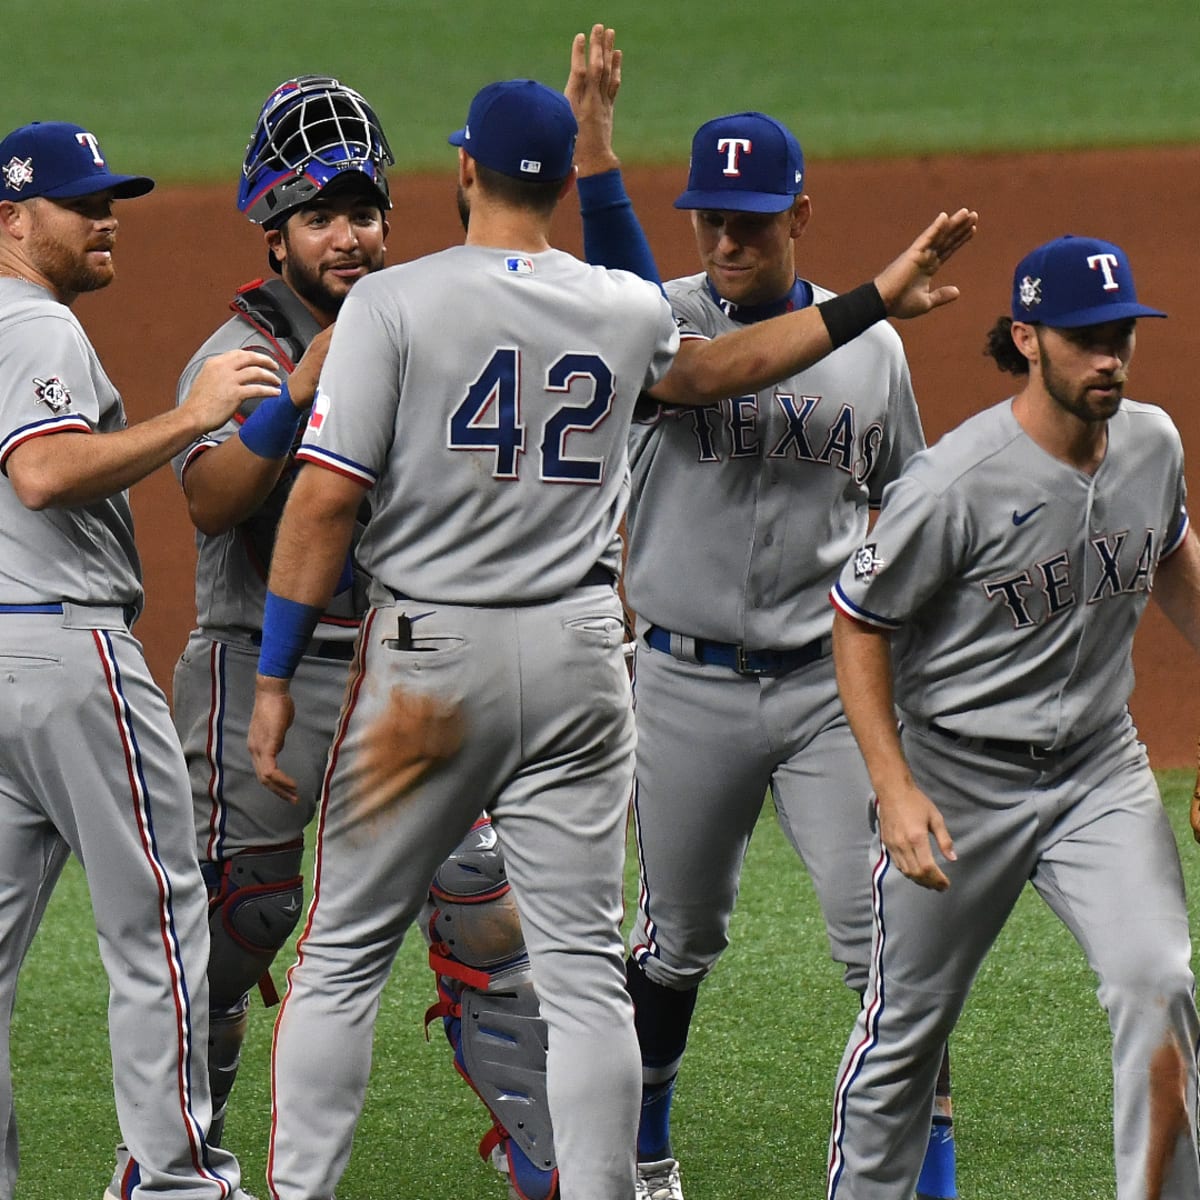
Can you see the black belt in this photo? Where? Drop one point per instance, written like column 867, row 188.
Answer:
column 1004, row 747
column 597, row 576
column 324, row 648
column 738, row 658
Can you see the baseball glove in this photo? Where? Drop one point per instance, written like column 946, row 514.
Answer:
column 413, row 733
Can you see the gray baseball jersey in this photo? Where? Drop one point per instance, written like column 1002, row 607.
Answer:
column 1017, row 581
column 487, row 396
column 214, row 679
column 55, row 384
column 1014, row 583
column 556, row 490
column 92, row 766
column 740, row 517
column 232, row 567
column 766, row 494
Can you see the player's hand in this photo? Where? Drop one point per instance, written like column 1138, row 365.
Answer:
column 414, row 732
column 592, row 90
column 272, row 717
column 908, row 819
column 302, row 382
column 906, row 284
column 227, row 381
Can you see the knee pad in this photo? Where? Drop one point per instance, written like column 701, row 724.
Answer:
column 254, row 902
column 489, row 1009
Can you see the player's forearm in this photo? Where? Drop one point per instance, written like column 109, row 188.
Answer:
column 227, row 484
column 863, row 660
column 66, row 470
column 735, row 364
column 314, row 537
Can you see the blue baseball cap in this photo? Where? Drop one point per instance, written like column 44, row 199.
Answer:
column 747, row 162
column 59, row 160
column 520, row 128
column 1075, row 281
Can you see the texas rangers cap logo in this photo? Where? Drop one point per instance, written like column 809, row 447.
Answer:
column 1029, row 291
column 53, row 393
column 866, row 562
column 17, row 173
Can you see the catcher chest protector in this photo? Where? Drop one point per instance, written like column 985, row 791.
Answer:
column 489, row 1009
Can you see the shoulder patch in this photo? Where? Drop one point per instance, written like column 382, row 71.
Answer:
column 53, row 393
column 866, row 562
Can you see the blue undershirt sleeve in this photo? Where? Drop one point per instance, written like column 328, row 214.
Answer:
column 612, row 234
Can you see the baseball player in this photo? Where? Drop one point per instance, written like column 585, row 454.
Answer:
column 313, row 177
column 994, row 606
column 499, row 475
column 734, row 680
column 92, row 765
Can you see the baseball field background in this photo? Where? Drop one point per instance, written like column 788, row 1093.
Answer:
column 1075, row 116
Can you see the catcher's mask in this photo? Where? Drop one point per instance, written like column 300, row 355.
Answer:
column 311, row 130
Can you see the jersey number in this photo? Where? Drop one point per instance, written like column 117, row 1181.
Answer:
column 489, row 418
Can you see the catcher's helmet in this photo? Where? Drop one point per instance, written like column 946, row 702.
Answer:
column 311, row 130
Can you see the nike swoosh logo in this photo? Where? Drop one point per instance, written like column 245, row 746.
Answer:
column 1020, row 518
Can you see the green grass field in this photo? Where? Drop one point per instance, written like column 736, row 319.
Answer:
column 1032, row 1084
column 173, row 88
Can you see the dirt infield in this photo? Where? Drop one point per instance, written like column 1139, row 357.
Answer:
column 182, row 251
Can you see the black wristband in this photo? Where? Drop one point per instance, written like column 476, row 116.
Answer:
column 852, row 313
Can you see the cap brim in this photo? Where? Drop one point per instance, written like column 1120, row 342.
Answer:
column 1099, row 315
column 458, row 137
column 735, row 201
column 123, row 187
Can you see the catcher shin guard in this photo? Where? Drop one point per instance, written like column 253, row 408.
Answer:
column 254, row 901
column 226, row 1033
column 489, row 1009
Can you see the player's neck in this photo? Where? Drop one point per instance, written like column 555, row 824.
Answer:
column 1080, row 444
column 503, row 228
column 14, row 268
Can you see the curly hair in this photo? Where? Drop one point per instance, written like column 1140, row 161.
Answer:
column 1001, row 347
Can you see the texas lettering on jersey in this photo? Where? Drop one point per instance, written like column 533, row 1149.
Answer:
column 1050, row 587
column 736, row 429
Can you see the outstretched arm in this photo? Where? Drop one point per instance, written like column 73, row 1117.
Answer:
column 612, row 234
column 907, row 817
column 71, row 469
column 229, row 483
column 759, row 355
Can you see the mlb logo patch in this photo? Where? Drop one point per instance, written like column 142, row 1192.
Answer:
column 518, row 264
column 530, row 166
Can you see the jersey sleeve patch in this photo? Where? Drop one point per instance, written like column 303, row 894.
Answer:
column 70, row 423
column 194, row 451
column 1180, row 533
column 335, row 462
column 855, row 612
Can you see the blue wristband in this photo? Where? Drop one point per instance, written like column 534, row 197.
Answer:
column 270, row 429
column 612, row 234
column 287, row 629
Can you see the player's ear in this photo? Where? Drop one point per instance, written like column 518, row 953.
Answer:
column 1025, row 339
column 567, row 184
column 12, row 218
column 801, row 214
column 274, row 240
